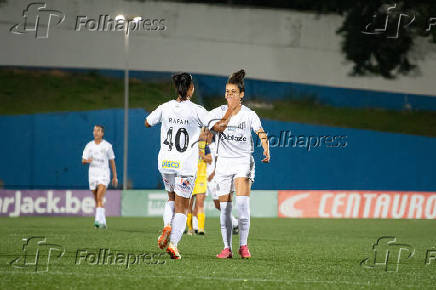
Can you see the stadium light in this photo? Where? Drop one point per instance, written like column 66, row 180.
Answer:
column 120, row 17
column 136, row 19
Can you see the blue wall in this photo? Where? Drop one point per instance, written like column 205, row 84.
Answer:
column 44, row 151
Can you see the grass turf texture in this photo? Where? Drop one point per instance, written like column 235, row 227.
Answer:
column 286, row 253
column 33, row 91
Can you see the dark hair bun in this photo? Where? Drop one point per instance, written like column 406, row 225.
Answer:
column 182, row 82
column 237, row 78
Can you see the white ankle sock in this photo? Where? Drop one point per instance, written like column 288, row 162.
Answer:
column 168, row 213
column 103, row 216
column 226, row 223
column 244, row 218
column 178, row 227
column 97, row 214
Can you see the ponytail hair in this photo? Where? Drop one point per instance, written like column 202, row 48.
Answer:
column 237, row 78
column 182, row 83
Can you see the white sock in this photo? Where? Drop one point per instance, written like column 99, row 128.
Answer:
column 168, row 213
column 195, row 222
column 178, row 227
column 243, row 203
column 226, row 223
column 103, row 216
column 99, row 214
column 235, row 222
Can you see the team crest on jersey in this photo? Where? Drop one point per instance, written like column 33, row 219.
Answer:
column 242, row 125
column 170, row 164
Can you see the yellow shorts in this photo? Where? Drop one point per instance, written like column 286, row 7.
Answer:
column 200, row 185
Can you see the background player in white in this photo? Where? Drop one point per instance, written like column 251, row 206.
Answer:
column 177, row 161
column 235, row 165
column 97, row 153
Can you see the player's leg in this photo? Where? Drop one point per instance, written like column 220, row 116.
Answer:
column 242, row 186
column 168, row 180
column 168, row 215
column 194, row 215
column 93, row 188
column 200, row 212
column 101, row 215
column 226, row 225
column 183, row 189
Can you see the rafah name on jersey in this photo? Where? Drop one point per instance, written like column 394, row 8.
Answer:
column 178, row 121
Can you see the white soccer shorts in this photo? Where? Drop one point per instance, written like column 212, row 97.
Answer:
column 227, row 169
column 181, row 185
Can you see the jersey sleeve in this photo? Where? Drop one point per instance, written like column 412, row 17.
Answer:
column 203, row 116
column 256, row 125
column 155, row 117
column 85, row 154
column 110, row 153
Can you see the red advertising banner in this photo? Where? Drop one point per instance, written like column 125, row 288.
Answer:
column 356, row 204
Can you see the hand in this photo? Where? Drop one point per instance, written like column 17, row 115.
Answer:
column 211, row 176
column 115, row 182
column 233, row 102
column 267, row 157
column 88, row 160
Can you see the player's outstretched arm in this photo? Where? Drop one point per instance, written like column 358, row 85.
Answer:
column 84, row 161
column 211, row 176
column 207, row 158
column 265, row 144
column 232, row 105
column 114, row 173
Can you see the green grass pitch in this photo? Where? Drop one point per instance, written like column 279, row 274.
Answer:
column 286, row 253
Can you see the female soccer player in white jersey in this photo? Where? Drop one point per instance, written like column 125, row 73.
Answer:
column 178, row 157
column 97, row 153
column 211, row 184
column 235, row 165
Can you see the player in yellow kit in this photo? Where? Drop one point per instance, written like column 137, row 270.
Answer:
column 200, row 188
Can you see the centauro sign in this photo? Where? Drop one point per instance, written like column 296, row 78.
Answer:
column 357, row 204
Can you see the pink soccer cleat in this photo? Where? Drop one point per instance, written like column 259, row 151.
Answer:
column 225, row 254
column 244, row 252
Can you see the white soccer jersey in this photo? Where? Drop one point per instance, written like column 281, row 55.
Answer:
column 236, row 141
column 100, row 154
column 180, row 130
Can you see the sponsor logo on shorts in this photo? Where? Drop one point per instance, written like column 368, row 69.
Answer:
column 170, row 164
column 185, row 185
